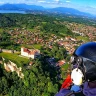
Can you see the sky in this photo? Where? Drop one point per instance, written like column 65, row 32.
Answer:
column 88, row 6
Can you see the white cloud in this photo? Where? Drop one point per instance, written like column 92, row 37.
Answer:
column 56, row 0
column 1, row 2
column 67, row 1
column 42, row 1
column 49, row 2
column 30, row 3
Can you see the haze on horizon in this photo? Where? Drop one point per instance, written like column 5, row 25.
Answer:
column 88, row 6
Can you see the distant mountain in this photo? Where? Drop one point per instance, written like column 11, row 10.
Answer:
column 8, row 7
column 20, row 7
column 30, row 8
column 69, row 11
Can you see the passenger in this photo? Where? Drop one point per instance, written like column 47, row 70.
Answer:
column 83, row 73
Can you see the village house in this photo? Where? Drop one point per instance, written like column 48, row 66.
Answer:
column 31, row 53
column 30, row 63
column 60, row 62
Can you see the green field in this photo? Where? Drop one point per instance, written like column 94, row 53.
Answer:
column 15, row 58
column 1, row 30
column 82, row 38
column 33, row 46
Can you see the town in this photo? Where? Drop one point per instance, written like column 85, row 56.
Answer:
column 35, row 53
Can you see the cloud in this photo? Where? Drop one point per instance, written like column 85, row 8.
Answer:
column 56, row 0
column 1, row 2
column 67, row 1
column 41, row 1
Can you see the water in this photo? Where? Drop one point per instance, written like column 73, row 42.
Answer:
column 12, row 11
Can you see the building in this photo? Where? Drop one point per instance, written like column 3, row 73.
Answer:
column 31, row 53
column 60, row 63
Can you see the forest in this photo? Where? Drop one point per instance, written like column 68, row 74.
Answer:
column 31, row 20
column 41, row 78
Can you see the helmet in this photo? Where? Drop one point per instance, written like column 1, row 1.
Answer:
column 84, row 59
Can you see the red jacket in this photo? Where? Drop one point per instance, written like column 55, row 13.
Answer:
column 67, row 82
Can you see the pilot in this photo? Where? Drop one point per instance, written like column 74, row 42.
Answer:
column 83, row 73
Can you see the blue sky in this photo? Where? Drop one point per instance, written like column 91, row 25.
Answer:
column 82, row 5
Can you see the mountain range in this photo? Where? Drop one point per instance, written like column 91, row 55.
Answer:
column 29, row 8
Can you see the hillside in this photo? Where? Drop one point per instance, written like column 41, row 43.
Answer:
column 55, row 36
column 40, row 27
column 6, row 21
column 40, row 79
column 43, row 23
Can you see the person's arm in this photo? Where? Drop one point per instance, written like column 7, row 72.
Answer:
column 65, row 92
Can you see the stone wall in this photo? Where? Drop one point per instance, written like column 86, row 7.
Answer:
column 8, row 51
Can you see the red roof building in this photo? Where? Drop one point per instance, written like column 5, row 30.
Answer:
column 60, row 63
column 31, row 53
